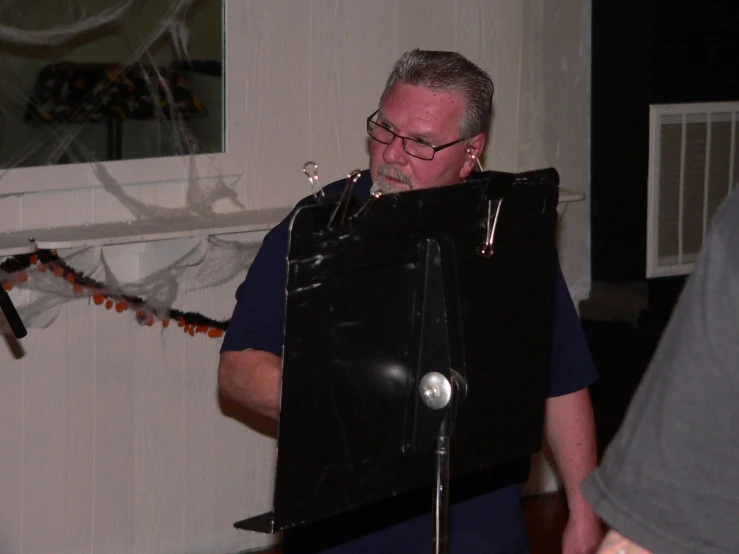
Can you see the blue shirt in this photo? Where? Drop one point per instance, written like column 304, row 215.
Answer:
column 489, row 522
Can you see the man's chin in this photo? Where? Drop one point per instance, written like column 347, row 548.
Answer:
column 388, row 186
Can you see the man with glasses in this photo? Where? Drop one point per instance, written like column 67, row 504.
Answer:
column 430, row 128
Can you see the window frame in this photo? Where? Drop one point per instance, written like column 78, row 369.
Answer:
column 659, row 115
column 170, row 169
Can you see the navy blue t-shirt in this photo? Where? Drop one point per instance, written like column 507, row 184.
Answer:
column 490, row 522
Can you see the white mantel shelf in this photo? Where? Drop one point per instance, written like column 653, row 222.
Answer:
column 566, row 195
column 105, row 234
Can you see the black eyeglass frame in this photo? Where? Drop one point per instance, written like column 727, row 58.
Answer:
column 435, row 149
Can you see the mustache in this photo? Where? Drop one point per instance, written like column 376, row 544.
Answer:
column 392, row 172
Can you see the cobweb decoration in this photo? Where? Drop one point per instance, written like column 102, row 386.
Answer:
column 60, row 35
column 72, row 72
column 212, row 262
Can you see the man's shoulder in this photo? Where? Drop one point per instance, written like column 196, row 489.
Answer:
column 361, row 188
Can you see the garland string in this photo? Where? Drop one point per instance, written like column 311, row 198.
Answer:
column 16, row 270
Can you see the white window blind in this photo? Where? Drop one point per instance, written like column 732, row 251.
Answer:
column 693, row 165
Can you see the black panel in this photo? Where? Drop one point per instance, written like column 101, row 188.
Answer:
column 621, row 77
column 647, row 51
column 376, row 302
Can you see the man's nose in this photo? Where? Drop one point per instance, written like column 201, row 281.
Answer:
column 394, row 153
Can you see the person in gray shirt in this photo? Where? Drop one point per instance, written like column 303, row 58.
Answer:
column 669, row 480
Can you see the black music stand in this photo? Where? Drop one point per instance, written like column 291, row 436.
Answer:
column 411, row 318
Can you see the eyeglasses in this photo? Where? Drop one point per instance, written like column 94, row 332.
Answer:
column 413, row 147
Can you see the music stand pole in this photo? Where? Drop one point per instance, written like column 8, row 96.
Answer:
column 441, row 491
column 438, row 393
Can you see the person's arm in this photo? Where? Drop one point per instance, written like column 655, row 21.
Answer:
column 252, row 378
column 570, row 433
column 616, row 543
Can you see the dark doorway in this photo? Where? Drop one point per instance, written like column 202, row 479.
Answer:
column 643, row 52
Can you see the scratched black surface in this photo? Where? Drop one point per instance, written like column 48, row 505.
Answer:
column 352, row 361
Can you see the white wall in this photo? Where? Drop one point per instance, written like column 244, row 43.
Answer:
column 555, row 117
column 537, row 53
column 113, row 437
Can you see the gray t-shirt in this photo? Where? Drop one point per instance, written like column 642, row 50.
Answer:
column 669, row 481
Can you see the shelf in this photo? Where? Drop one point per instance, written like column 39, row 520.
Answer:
column 566, row 195
column 103, row 234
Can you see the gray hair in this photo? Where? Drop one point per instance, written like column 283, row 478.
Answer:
column 453, row 73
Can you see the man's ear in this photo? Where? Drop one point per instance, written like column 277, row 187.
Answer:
column 474, row 149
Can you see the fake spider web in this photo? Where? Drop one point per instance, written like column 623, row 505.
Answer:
column 71, row 74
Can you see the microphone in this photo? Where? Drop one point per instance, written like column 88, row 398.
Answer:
column 11, row 315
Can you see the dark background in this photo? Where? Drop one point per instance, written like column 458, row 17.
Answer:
column 643, row 52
